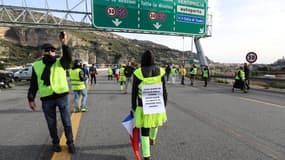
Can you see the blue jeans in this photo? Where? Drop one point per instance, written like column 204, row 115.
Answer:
column 77, row 94
column 49, row 109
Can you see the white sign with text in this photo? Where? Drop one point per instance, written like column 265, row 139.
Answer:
column 152, row 98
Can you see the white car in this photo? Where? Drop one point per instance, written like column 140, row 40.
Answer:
column 23, row 74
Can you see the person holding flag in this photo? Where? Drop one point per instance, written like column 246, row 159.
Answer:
column 134, row 133
column 149, row 97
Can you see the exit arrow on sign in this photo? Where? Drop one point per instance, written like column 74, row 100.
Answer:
column 157, row 25
column 117, row 22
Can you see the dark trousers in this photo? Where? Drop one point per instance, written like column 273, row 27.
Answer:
column 167, row 77
column 110, row 77
column 49, row 109
column 182, row 79
column 192, row 78
column 206, row 81
column 93, row 79
column 128, row 81
column 246, row 82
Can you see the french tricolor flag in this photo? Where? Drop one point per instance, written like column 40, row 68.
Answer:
column 129, row 124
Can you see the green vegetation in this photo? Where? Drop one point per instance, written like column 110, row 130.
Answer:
column 16, row 55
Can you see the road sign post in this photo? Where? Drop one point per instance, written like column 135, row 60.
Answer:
column 250, row 57
column 191, row 61
column 173, row 17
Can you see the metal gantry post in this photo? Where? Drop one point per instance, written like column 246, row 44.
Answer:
column 199, row 49
column 200, row 53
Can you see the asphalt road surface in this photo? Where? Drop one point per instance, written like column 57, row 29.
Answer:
column 204, row 123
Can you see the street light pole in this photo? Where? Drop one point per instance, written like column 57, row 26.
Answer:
column 183, row 52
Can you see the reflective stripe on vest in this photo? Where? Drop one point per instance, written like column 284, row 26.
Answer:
column 76, row 83
column 148, row 80
column 58, row 81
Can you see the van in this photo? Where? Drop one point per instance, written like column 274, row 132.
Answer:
column 24, row 74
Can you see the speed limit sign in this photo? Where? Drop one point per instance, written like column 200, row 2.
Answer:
column 251, row 57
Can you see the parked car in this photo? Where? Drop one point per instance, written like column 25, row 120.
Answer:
column 6, row 79
column 23, row 74
column 14, row 69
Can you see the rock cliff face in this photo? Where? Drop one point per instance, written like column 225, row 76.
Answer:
column 22, row 45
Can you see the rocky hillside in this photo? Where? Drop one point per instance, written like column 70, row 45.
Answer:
column 22, row 45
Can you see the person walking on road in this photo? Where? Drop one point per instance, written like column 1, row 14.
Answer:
column 78, row 86
column 173, row 74
column 206, row 75
column 183, row 74
column 86, row 74
column 110, row 73
column 122, row 78
column 167, row 71
column 128, row 73
column 193, row 73
column 117, row 73
column 49, row 77
column 149, row 97
column 93, row 72
column 239, row 79
column 246, row 72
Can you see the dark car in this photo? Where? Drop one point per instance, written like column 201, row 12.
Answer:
column 6, row 79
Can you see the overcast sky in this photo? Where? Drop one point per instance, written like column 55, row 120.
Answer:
column 239, row 26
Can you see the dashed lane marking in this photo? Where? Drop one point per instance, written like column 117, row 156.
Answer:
column 75, row 121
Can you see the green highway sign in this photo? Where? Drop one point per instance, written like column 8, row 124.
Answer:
column 191, row 61
column 173, row 17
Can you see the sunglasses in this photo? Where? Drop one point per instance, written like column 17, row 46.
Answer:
column 49, row 49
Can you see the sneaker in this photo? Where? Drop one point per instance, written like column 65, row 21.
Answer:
column 71, row 148
column 152, row 142
column 56, row 148
column 84, row 109
column 76, row 111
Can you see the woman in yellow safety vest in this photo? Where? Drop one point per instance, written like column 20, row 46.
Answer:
column 193, row 73
column 239, row 80
column 183, row 74
column 173, row 74
column 110, row 73
column 205, row 75
column 78, row 87
column 122, row 78
column 149, row 98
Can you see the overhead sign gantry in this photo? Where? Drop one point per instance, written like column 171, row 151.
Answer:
column 170, row 17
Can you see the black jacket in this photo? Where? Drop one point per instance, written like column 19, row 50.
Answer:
column 65, row 61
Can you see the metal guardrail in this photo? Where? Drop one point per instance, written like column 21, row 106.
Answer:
column 263, row 79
